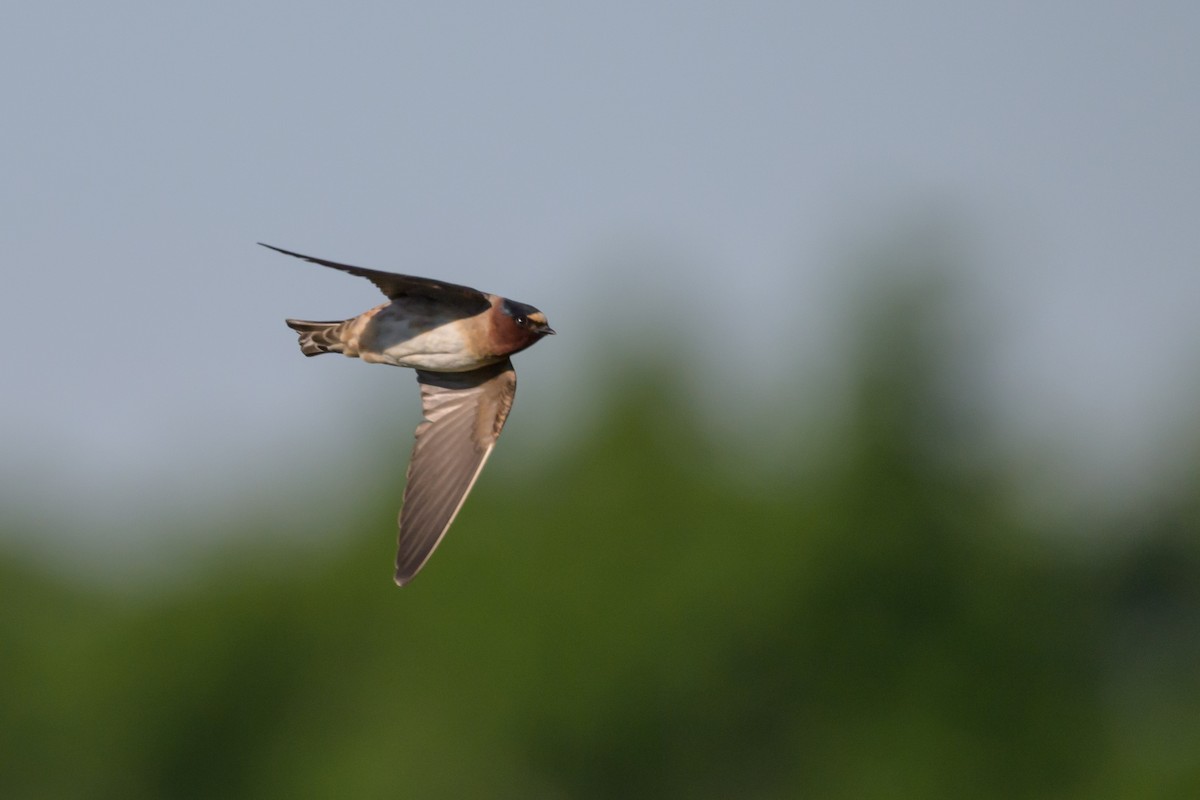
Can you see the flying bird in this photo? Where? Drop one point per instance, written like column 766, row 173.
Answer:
column 459, row 341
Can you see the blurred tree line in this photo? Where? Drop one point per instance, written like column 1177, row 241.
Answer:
column 633, row 620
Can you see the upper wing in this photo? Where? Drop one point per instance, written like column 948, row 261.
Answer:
column 464, row 413
column 394, row 285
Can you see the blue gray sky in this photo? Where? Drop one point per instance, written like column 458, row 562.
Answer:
column 596, row 160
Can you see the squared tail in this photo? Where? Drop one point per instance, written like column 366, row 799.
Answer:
column 319, row 337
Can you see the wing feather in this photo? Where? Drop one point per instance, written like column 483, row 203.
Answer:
column 464, row 414
column 395, row 285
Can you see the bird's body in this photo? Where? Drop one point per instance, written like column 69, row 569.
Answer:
column 459, row 340
column 409, row 332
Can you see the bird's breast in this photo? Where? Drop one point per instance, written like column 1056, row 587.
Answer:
column 421, row 336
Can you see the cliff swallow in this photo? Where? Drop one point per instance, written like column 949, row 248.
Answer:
column 458, row 340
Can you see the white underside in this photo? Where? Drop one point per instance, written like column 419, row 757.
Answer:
column 441, row 349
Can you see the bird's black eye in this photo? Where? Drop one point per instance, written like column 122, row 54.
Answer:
column 521, row 320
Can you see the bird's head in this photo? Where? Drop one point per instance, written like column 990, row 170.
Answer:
column 515, row 326
column 527, row 318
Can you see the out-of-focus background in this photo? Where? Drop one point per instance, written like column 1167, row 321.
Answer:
column 864, row 463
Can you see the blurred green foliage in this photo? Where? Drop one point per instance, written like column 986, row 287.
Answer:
column 631, row 620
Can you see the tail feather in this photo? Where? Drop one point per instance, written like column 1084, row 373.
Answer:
column 318, row 337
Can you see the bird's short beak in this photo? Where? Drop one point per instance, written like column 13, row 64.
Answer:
column 546, row 330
